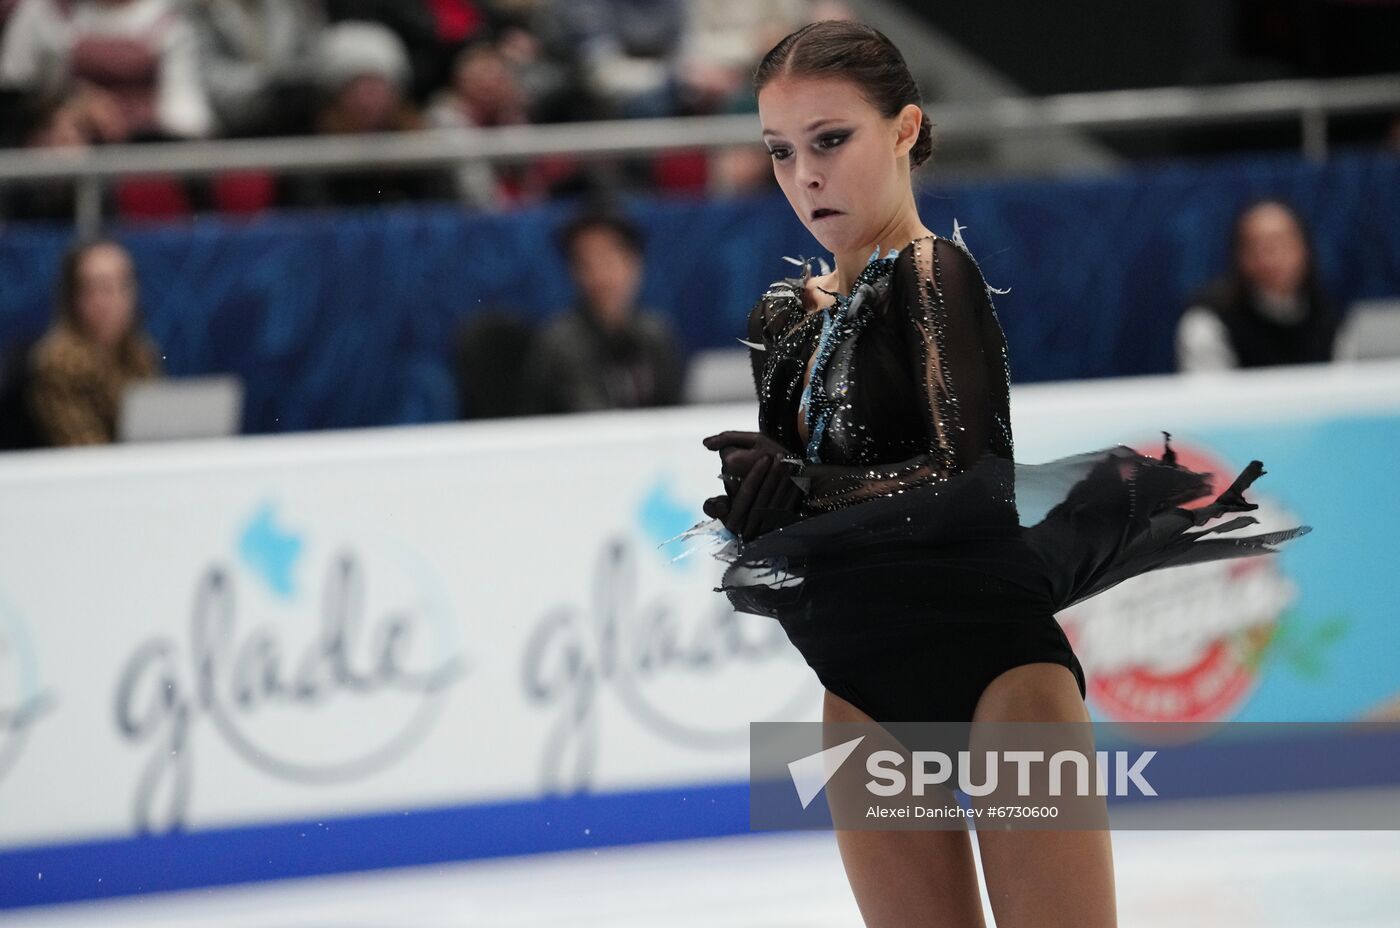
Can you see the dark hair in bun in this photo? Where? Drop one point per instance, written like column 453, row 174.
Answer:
column 857, row 53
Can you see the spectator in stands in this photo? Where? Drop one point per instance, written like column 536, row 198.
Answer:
column 738, row 171
column 362, row 70
column 93, row 350
column 724, row 41
column 549, row 88
column 255, row 56
column 625, row 51
column 72, row 122
column 606, row 353
column 1269, row 308
column 483, row 93
column 432, row 31
column 362, row 75
column 139, row 54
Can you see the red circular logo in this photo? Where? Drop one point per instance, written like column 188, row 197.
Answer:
column 1180, row 644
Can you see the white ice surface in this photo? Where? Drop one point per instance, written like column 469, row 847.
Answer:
column 1201, row 879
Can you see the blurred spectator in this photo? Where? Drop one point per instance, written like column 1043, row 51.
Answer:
column 486, row 92
column 1269, row 308
column 256, row 60
column 362, row 75
column 740, row 171
column 456, row 24
column 362, row 71
column 727, row 32
column 93, row 349
column 483, row 93
column 625, row 50
column 489, row 355
column 432, row 31
column 545, row 81
column 52, row 123
column 86, row 116
column 140, row 54
column 605, row 353
column 725, row 40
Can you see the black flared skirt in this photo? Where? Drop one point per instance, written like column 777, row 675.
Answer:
column 908, row 604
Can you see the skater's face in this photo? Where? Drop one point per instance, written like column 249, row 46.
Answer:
column 842, row 164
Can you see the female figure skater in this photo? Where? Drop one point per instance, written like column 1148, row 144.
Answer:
column 921, row 567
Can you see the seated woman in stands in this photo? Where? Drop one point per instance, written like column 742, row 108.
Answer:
column 1269, row 308
column 95, row 347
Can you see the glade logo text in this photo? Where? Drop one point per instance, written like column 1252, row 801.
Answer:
column 664, row 658
column 318, row 689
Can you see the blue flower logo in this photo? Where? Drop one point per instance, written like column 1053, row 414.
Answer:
column 270, row 552
column 662, row 516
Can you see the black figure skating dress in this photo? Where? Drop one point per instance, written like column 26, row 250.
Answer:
column 927, row 560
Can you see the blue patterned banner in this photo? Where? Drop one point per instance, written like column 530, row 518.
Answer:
column 345, row 319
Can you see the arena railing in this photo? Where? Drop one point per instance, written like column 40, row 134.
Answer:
column 1311, row 103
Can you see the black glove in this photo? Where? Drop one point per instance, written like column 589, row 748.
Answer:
column 739, row 450
column 761, row 494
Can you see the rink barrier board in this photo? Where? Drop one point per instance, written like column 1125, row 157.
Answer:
column 1327, row 436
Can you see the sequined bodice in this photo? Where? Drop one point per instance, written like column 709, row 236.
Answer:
column 916, row 388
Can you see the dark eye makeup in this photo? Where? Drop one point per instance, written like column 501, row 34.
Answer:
column 824, row 142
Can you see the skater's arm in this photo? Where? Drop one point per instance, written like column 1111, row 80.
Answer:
column 957, row 352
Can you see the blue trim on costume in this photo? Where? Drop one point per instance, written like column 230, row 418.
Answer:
column 838, row 325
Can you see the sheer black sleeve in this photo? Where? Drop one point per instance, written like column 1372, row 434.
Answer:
column 957, row 353
column 775, row 314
